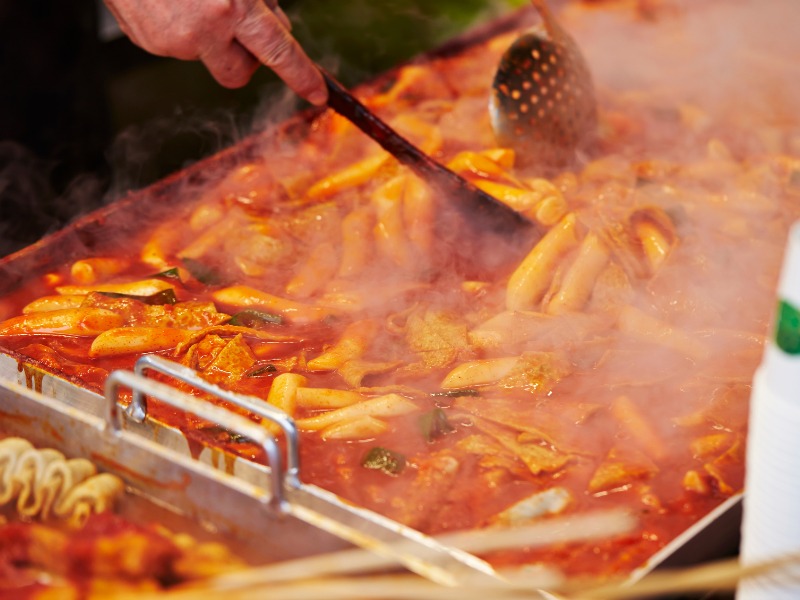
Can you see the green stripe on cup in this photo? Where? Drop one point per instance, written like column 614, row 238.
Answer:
column 787, row 335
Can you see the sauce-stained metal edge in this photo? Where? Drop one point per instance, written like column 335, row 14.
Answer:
column 156, row 461
column 25, row 384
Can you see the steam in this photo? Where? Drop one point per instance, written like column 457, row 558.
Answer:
column 147, row 152
column 706, row 62
column 722, row 54
column 715, row 60
column 144, row 153
column 29, row 205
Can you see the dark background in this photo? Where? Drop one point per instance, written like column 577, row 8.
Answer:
column 84, row 119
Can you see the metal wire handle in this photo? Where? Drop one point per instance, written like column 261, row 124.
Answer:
column 137, row 410
column 236, row 423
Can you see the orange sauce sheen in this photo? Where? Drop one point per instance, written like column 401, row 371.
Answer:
column 635, row 395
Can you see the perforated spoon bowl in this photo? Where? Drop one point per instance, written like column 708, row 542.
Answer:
column 542, row 102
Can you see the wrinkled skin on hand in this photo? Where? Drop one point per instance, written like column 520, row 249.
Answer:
column 231, row 37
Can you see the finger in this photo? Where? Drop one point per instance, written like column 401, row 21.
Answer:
column 263, row 35
column 231, row 65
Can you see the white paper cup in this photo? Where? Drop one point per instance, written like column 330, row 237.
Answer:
column 771, row 525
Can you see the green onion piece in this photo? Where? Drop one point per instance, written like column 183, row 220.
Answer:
column 456, row 393
column 434, row 424
column 166, row 296
column 257, row 371
column 169, row 274
column 203, row 273
column 255, row 319
column 391, row 463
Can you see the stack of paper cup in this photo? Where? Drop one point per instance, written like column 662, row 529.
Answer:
column 771, row 526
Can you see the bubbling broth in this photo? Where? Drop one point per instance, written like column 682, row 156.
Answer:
column 454, row 382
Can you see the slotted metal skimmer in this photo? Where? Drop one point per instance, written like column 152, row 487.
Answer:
column 542, row 102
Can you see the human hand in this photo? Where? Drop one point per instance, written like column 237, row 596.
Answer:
column 230, row 37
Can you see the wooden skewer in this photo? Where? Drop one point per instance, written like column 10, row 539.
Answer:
column 301, row 572
column 721, row 575
column 374, row 587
